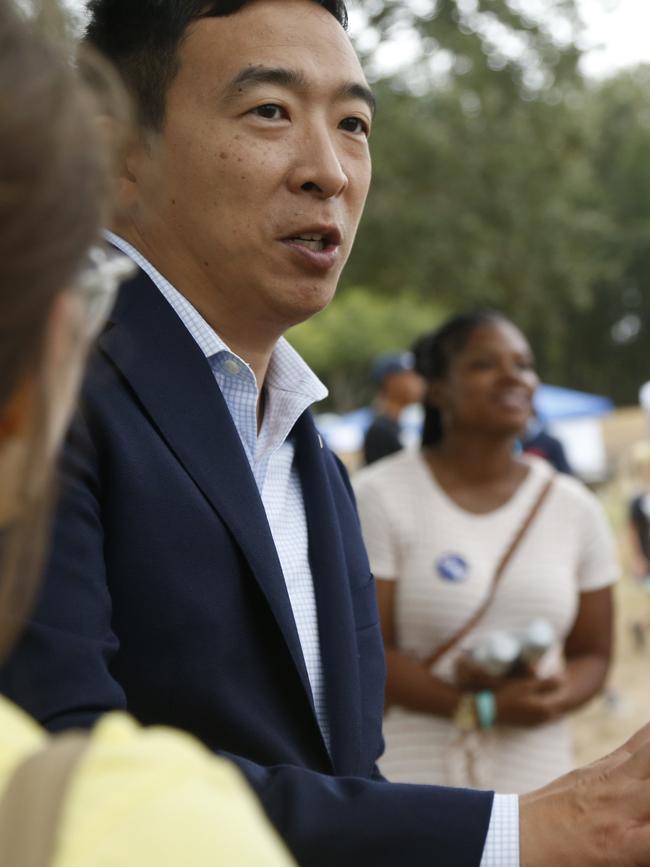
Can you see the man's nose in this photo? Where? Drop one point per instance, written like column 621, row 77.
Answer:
column 317, row 168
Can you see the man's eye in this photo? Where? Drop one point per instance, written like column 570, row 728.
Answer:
column 355, row 125
column 270, row 112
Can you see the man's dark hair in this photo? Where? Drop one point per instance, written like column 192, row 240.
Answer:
column 142, row 37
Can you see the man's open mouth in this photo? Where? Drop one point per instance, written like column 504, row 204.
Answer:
column 317, row 243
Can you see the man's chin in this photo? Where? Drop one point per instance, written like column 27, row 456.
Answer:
column 307, row 302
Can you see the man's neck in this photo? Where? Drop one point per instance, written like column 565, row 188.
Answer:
column 246, row 338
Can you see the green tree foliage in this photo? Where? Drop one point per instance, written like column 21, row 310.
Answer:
column 482, row 203
column 609, row 348
column 511, row 182
column 485, row 192
column 524, row 45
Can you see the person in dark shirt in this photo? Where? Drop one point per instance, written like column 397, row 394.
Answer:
column 638, row 522
column 398, row 386
column 639, row 515
column 538, row 441
column 640, row 527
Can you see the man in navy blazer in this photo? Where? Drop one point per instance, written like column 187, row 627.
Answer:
column 208, row 570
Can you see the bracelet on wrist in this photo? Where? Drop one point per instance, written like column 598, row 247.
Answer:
column 486, row 708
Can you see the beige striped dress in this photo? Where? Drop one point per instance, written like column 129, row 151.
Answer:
column 442, row 558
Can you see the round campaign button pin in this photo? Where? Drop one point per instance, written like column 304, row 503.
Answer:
column 452, row 567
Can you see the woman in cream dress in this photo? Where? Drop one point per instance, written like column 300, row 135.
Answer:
column 436, row 523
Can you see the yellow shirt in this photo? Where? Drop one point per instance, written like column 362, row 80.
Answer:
column 148, row 798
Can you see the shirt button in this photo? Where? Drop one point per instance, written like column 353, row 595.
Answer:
column 231, row 366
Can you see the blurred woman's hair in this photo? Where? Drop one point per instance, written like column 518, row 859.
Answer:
column 54, row 180
column 434, row 353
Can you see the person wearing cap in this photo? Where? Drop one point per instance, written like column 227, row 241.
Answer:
column 398, row 386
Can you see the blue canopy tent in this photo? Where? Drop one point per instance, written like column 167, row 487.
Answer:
column 554, row 403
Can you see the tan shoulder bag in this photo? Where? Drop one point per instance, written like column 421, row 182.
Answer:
column 31, row 806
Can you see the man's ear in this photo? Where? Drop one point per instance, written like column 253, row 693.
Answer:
column 126, row 179
column 130, row 157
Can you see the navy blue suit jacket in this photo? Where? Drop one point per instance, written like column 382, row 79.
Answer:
column 164, row 595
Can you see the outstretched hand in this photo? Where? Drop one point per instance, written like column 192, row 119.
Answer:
column 596, row 816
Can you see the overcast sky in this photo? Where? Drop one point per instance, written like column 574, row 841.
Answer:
column 617, row 35
column 623, row 31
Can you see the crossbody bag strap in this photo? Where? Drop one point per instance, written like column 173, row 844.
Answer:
column 31, row 806
column 453, row 640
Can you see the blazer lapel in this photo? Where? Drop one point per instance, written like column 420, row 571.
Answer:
column 332, row 588
column 173, row 381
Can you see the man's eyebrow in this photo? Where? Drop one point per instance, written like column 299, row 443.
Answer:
column 354, row 90
column 265, row 75
column 294, row 80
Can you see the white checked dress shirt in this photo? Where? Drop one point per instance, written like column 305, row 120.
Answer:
column 289, row 389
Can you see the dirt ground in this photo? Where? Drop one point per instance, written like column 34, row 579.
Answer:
column 608, row 720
